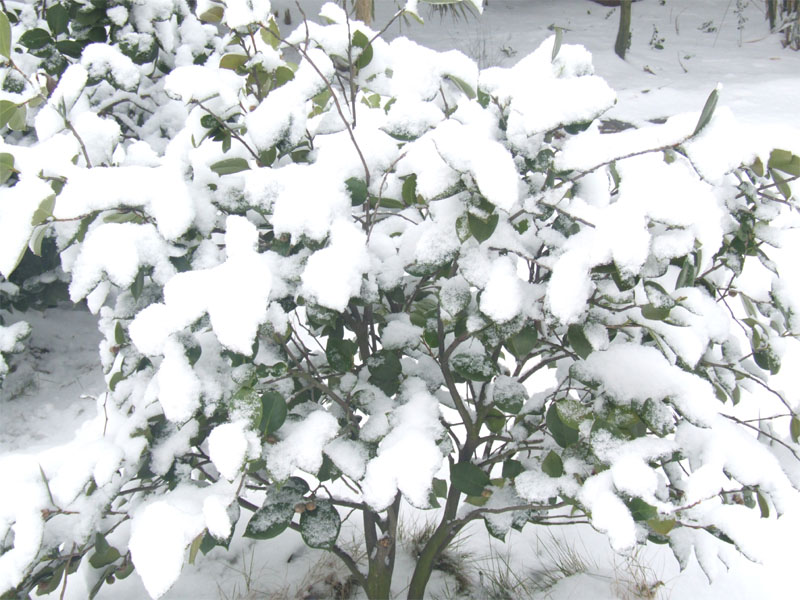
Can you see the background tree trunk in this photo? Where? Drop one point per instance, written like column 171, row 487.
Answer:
column 624, row 33
column 364, row 11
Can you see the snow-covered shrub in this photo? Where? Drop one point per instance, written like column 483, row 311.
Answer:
column 334, row 273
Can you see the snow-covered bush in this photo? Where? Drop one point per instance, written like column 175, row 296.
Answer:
column 336, row 273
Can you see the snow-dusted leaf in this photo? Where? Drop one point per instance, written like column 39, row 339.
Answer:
column 562, row 433
column 473, row 367
column 365, row 56
column 320, row 524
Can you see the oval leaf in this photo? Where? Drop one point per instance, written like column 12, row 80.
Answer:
column 468, row 478
column 229, row 166
column 34, row 39
column 480, row 229
column 5, row 35
column 563, row 434
column 273, row 412
column 552, row 464
column 578, row 340
column 320, row 526
column 708, row 110
column 57, row 19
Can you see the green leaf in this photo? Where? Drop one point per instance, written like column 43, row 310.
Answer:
column 385, row 371
column 473, row 367
column 37, row 237
column 410, row 190
column 194, row 548
column 781, row 184
column 319, row 527
column 480, row 229
column 496, row 529
column 212, row 15
column 50, row 583
column 272, row 34
column 563, row 434
column 654, row 313
column 439, row 488
column 44, row 211
column 661, row 526
column 5, row 35
column 794, row 429
column 6, row 166
column 138, row 285
column 763, row 505
column 233, row 61
column 283, row 75
column 641, row 510
column 271, row 520
column 115, row 379
column 119, row 334
column 340, row 354
column 512, row 468
column 57, row 19
column 273, row 412
column 468, row 478
column 358, row 191
column 7, row 110
column 104, row 554
column 552, row 464
column 579, row 342
column 708, row 110
column 33, row 39
column 463, row 86
column 785, row 161
column 509, row 395
column 557, row 43
column 657, row 295
column 521, row 343
column 767, row 359
column 687, row 274
column 17, row 122
column 495, row 420
column 229, row 166
column 361, row 41
column 70, row 48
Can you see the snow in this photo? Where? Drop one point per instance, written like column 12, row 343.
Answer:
column 16, row 211
column 333, row 275
column 646, row 224
column 632, row 373
column 408, row 457
column 228, row 446
column 159, row 191
column 502, row 297
column 240, row 13
column 235, row 295
column 301, row 445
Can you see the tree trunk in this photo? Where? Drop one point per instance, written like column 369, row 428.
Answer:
column 381, row 550
column 364, row 11
column 772, row 13
column 624, row 33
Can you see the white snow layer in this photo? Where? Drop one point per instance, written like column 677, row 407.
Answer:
column 408, row 457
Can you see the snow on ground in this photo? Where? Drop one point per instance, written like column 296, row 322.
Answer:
column 50, row 391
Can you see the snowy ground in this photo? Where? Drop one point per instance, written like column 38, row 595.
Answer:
column 57, row 383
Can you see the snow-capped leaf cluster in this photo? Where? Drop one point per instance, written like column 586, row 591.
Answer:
column 330, row 268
